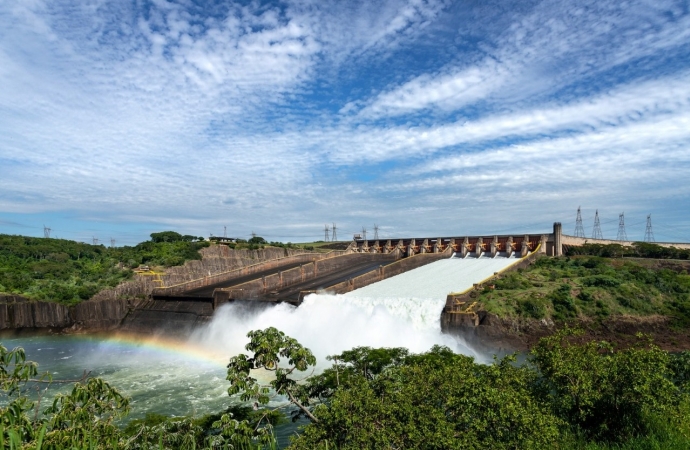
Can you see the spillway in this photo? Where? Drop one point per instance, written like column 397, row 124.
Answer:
column 436, row 280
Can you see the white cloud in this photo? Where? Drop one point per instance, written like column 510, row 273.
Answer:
column 202, row 117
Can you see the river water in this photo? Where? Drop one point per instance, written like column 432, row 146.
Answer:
column 187, row 376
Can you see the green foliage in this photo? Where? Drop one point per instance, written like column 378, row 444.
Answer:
column 268, row 347
column 533, row 308
column 257, row 240
column 68, row 272
column 436, row 400
column 564, row 288
column 602, row 393
column 638, row 249
column 568, row 396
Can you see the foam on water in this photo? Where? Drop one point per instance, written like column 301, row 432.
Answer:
column 401, row 311
column 330, row 324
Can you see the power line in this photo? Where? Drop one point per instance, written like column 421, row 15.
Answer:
column 649, row 234
column 621, row 236
column 596, row 231
column 579, row 229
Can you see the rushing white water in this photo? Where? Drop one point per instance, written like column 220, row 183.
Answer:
column 402, row 311
column 438, row 279
column 329, row 324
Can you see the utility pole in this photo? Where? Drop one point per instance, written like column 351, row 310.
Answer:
column 334, row 237
column 579, row 229
column 596, row 231
column 621, row 228
column 376, row 232
column 364, row 233
column 46, row 232
column 649, row 234
column 326, row 232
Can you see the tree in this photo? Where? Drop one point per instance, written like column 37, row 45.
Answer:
column 387, row 398
column 606, row 394
column 166, row 236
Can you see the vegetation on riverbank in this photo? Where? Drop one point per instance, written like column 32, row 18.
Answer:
column 68, row 272
column 592, row 286
column 566, row 395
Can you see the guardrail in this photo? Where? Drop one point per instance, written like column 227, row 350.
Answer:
column 458, row 302
column 242, row 271
column 382, row 273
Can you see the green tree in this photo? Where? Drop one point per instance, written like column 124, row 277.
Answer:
column 603, row 393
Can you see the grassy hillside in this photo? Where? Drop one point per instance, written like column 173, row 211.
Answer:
column 68, row 271
column 564, row 288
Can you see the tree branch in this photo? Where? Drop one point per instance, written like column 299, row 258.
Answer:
column 301, row 406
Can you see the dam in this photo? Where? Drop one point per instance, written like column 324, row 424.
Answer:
column 439, row 267
column 394, row 268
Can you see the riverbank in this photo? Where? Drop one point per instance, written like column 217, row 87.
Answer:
column 507, row 334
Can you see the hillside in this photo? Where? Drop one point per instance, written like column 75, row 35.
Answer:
column 68, row 271
column 566, row 288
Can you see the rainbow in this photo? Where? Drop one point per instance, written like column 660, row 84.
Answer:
column 160, row 344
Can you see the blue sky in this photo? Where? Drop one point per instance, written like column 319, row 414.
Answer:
column 118, row 119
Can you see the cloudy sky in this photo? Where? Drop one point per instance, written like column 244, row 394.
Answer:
column 425, row 117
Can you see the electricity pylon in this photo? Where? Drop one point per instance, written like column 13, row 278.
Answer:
column 621, row 236
column 596, row 231
column 649, row 234
column 579, row 229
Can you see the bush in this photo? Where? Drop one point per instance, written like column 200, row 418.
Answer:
column 532, row 308
column 601, row 281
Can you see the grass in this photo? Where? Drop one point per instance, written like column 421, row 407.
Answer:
column 568, row 287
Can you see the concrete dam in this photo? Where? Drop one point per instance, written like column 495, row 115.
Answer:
column 410, row 267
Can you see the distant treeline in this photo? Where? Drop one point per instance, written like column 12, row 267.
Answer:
column 638, row 250
column 68, row 271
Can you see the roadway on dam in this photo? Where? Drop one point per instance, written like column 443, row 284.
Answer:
column 438, row 279
column 207, row 291
column 292, row 293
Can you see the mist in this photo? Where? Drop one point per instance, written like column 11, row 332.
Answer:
column 329, row 324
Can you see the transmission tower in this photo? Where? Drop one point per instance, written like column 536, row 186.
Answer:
column 112, row 243
column 376, row 232
column 95, row 240
column 46, row 232
column 334, row 237
column 596, row 231
column 326, row 231
column 364, row 233
column 649, row 234
column 579, row 229
column 225, row 231
column 621, row 228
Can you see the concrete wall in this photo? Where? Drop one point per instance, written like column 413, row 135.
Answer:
column 452, row 321
column 256, row 288
column 381, row 273
column 243, row 271
column 19, row 313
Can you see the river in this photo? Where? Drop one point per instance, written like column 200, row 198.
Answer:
column 186, row 376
